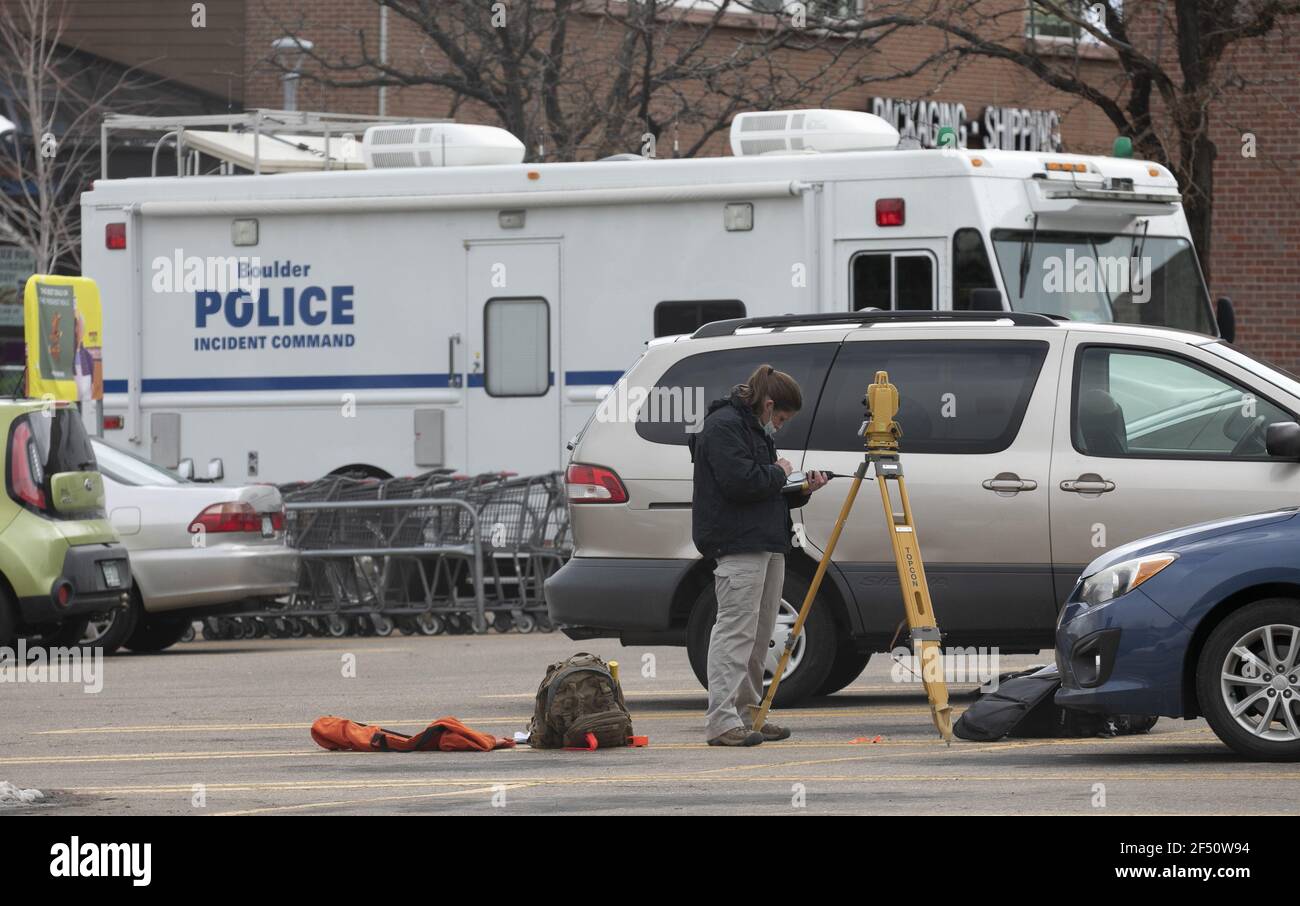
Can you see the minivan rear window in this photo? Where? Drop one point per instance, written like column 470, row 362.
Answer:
column 699, row 379
column 955, row 396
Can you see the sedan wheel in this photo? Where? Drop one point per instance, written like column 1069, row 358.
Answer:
column 1259, row 682
column 1248, row 680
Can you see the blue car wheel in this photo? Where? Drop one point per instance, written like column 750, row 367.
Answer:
column 1248, row 680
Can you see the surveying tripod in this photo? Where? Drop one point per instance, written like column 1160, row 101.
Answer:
column 881, row 433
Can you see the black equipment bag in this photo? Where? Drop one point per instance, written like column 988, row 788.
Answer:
column 1023, row 707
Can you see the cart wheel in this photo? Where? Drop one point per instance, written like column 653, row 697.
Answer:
column 526, row 623
column 383, row 625
column 429, row 624
column 503, row 622
column 296, row 628
column 337, row 627
column 189, row 634
column 210, row 631
column 544, row 623
column 479, row 624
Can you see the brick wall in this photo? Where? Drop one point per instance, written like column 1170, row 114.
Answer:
column 1256, row 245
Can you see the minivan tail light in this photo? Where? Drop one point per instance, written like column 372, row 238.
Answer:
column 594, row 484
column 229, row 517
column 25, row 475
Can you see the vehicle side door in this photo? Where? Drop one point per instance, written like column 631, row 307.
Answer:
column 976, row 410
column 1151, row 435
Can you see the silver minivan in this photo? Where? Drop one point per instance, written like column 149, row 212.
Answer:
column 1031, row 445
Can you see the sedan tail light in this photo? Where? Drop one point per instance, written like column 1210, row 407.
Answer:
column 594, row 484
column 233, row 517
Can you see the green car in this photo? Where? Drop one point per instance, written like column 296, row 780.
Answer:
column 60, row 560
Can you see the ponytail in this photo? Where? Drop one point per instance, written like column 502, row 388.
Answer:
column 768, row 383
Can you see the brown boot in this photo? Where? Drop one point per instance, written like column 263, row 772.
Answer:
column 737, row 736
column 773, row 733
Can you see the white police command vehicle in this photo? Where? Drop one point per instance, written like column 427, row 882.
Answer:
column 423, row 298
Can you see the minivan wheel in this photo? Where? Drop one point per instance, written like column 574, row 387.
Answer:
column 1248, row 680
column 814, row 651
column 848, row 666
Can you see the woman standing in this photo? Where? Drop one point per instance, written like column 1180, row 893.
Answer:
column 741, row 519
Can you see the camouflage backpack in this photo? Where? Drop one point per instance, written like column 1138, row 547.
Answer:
column 579, row 696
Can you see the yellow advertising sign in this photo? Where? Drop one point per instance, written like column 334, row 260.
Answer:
column 64, row 327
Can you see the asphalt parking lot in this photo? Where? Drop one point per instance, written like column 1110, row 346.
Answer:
column 221, row 728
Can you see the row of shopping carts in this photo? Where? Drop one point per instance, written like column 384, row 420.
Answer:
column 437, row 552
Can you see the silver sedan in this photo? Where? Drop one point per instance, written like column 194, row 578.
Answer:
column 195, row 548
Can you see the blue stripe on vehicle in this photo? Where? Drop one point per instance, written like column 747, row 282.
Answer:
column 591, row 378
column 335, row 382
column 286, row 382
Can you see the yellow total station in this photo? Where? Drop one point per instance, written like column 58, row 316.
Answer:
column 880, row 430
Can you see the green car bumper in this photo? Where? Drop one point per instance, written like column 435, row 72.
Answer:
column 94, row 578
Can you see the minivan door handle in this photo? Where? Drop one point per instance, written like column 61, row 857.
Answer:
column 1008, row 484
column 1088, row 483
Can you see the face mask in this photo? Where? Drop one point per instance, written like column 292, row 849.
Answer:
column 769, row 429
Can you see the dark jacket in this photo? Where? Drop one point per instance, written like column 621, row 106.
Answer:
column 737, row 506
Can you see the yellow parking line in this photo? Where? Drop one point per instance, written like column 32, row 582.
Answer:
column 363, row 802
column 768, row 776
column 159, row 756
column 704, row 693
column 894, row 744
column 521, row 719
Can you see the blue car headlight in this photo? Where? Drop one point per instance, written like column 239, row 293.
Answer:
column 1115, row 581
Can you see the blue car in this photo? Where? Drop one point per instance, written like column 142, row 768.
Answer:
column 1202, row 621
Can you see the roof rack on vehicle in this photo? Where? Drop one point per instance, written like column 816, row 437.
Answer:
column 780, row 322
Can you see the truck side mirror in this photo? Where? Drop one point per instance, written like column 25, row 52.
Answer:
column 216, row 469
column 1226, row 315
column 185, row 469
column 1282, row 439
column 986, row 299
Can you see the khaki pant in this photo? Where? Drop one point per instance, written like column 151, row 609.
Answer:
column 749, row 593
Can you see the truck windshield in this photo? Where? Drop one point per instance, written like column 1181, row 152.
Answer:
column 1120, row 277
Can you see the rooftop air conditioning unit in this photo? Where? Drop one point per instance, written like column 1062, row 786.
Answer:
column 439, row 145
column 810, row 130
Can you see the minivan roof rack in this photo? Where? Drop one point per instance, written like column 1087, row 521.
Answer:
column 780, row 322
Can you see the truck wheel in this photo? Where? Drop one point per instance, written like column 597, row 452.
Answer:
column 157, row 633
column 1248, row 680
column 847, row 666
column 111, row 629
column 814, row 652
